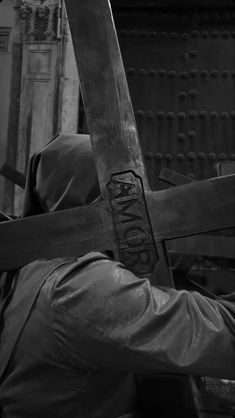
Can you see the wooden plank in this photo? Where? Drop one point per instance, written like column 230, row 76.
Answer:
column 105, row 92
column 175, row 212
column 14, row 175
column 204, row 245
column 198, row 207
column 66, row 233
column 173, row 177
column 110, row 118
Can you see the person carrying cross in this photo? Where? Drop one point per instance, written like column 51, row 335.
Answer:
column 76, row 332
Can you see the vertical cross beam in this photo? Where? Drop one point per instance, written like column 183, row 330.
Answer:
column 114, row 136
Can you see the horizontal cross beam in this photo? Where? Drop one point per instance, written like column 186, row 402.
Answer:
column 194, row 208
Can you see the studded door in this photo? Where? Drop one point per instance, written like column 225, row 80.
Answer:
column 181, row 73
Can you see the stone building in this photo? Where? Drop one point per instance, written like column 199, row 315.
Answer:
column 38, row 85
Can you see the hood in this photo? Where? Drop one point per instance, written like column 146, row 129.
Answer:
column 61, row 176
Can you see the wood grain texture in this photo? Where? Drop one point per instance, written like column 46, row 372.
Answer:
column 198, row 207
column 107, row 102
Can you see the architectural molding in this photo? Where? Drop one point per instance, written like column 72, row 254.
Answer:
column 40, row 22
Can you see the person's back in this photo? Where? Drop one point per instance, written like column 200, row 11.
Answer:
column 51, row 373
column 87, row 326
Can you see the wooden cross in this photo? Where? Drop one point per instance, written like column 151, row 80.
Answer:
column 131, row 220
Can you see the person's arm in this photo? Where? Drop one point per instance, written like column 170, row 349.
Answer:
column 110, row 319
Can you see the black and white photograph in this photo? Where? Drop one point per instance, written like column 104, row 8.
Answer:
column 117, row 209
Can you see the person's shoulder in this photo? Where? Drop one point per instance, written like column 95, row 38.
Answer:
column 92, row 275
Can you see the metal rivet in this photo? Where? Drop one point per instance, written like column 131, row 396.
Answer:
column 184, row 56
column 143, row 34
column 232, row 114
column 180, row 157
column 212, row 156
column 170, row 115
column 224, row 115
column 205, row 34
column 193, row 93
column 214, row 114
column 191, row 155
column 225, row 34
column 225, row 73
column 172, row 74
column 201, row 155
column 191, row 175
column 152, row 72
column 185, row 36
column 133, row 33
column 203, row 114
column 168, row 157
column 208, row 264
column 158, row 156
column 173, row 35
column 192, row 114
column 183, row 74
column 182, row 115
column 150, row 114
column 193, row 72
column 182, row 95
column 160, row 115
column 181, row 136
column 163, row 35
column 148, row 155
column 192, row 135
column 142, row 72
column 193, row 53
column 162, row 73
column 214, row 73
column 195, row 34
column 204, row 73
column 223, row 156
column 215, row 34
column 140, row 113
column 153, row 34
column 130, row 71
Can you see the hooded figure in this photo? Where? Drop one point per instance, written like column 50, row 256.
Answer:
column 77, row 331
column 61, row 176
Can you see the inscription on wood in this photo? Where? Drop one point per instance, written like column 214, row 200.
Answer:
column 134, row 236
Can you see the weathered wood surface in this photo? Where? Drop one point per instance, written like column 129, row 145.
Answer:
column 142, row 219
column 115, row 142
column 66, row 233
column 197, row 207
column 203, row 245
column 173, row 177
column 105, row 92
column 175, row 212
